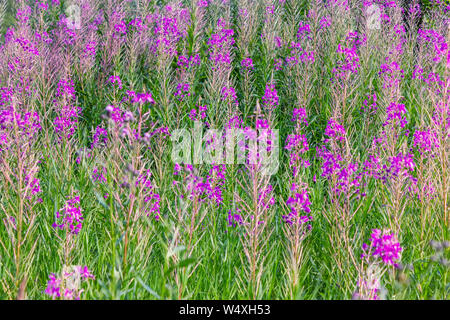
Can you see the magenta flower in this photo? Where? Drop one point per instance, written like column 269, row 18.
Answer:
column 66, row 123
column 141, row 98
column 90, row 49
column 185, row 62
column 182, row 91
column 65, row 89
column 325, row 22
column 265, row 197
column 299, row 202
column 151, row 198
column 297, row 142
column 202, row 3
column 335, row 130
column 214, row 183
column 99, row 175
column 278, row 64
column 396, row 114
column 228, row 93
column 53, row 286
column 370, row 104
column 169, row 27
column 115, row 80
column 220, row 47
column 426, row 141
column 299, row 116
column 435, row 43
column 100, row 137
column 68, row 284
column 383, row 246
column 349, row 64
column 234, row 219
column 247, row 64
column 303, row 31
column 391, row 73
column 70, row 216
column 270, row 98
column 198, row 114
column 120, row 29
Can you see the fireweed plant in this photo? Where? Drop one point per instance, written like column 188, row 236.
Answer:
column 351, row 98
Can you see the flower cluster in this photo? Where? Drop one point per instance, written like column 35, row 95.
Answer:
column 235, row 219
column 350, row 62
column 425, row 141
column 28, row 125
column 120, row 30
column 298, row 142
column 298, row 203
column 220, row 46
column 23, row 15
column 115, row 114
column 214, row 183
column 64, row 32
column 100, row 137
column 27, row 46
column 299, row 116
column 325, row 22
column 169, row 27
column 98, row 175
column 346, row 174
column 278, row 64
column 304, row 31
column 161, row 132
column 370, row 104
column 140, row 98
column 182, row 91
column 383, row 246
column 151, row 198
column 270, row 98
column 65, row 89
column 6, row 95
column 137, row 25
column 391, row 73
column 399, row 165
column 247, row 64
column 66, row 123
column 432, row 79
column 198, row 188
column 300, row 51
column 229, row 94
column 68, row 285
column 335, row 131
column 198, row 114
column 265, row 197
column 337, row 166
column 434, row 43
column 70, row 216
column 90, row 49
column 185, row 62
column 396, row 115
column 115, row 80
